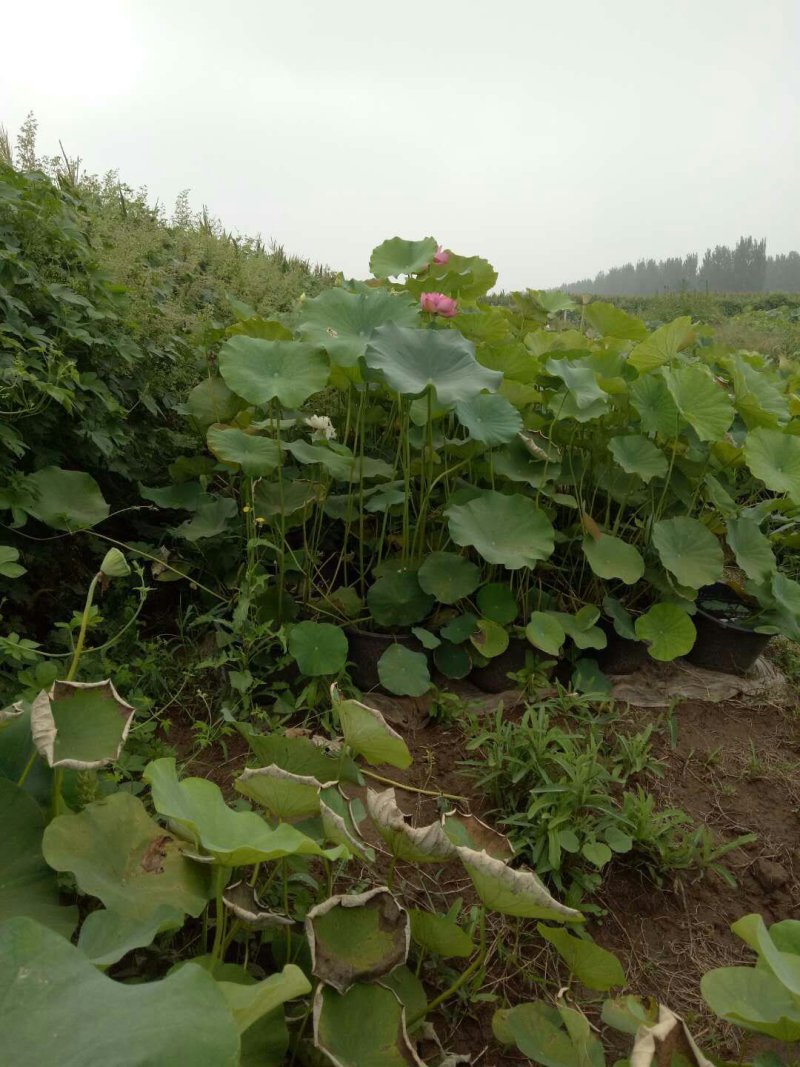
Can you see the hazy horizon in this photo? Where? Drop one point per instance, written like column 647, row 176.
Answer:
column 554, row 146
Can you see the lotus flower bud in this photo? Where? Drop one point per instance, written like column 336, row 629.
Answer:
column 115, row 565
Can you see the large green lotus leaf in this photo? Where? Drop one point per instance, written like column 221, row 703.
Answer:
column 611, row 557
column 261, row 371
column 754, row 999
column 516, row 463
column 369, row 735
column 365, row 1025
column 579, row 379
column 120, row 855
column 509, row 530
column 489, row 418
column 489, row 638
column 211, row 518
column 196, row 808
column 759, row 399
column 546, row 633
column 212, row 401
column 413, row 844
column 554, row 1037
column 702, row 402
column 319, row 648
column 512, row 892
column 652, row 400
column 668, row 631
column 410, row 361
column 784, row 965
column 751, row 547
column 464, row 277
column 285, row 795
column 248, row 1002
column 93, row 1021
column 774, row 457
column 106, row 936
column 439, row 934
column 564, row 406
column 339, row 461
column 186, row 496
column 396, row 599
column 343, row 322
column 300, row 755
column 27, row 885
column 254, row 455
column 397, row 256
column 662, row 345
column 65, row 500
column 459, row 628
column 357, row 937
column 637, row 454
column 452, row 660
column 271, row 498
column 611, row 321
column 595, row 967
column 80, row 725
column 340, row 826
column 448, row 576
column 403, row 672
column 497, row 602
column 688, row 550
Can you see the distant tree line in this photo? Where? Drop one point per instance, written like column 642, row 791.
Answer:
column 746, row 268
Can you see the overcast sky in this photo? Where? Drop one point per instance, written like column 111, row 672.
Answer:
column 555, row 139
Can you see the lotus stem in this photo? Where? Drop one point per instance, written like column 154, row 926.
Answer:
column 76, row 656
column 410, row 788
column 462, row 978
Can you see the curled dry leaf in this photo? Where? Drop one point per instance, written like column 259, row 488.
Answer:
column 664, row 1042
column 512, row 892
column 471, row 832
column 414, row 844
column 13, row 711
column 80, row 725
column 339, row 824
column 357, row 937
column 242, row 900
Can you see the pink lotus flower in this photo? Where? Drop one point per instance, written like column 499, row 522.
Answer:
column 441, row 256
column 438, row 304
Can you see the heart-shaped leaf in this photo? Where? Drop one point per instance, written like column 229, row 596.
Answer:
column 439, row 934
column 595, row 967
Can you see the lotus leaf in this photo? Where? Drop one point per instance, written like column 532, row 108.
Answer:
column 509, row 530
column 28, row 886
column 512, row 892
column 285, row 795
column 106, row 936
column 403, row 672
column 411, row 361
column 489, row 418
column 65, row 500
column 319, row 648
column 440, row 934
column 611, row 557
column 774, row 458
column 397, row 256
column 448, row 576
column 253, row 454
column 545, row 632
column 688, row 550
column 93, row 1020
column 668, row 630
column 752, row 549
column 260, row 371
column 452, row 660
column 611, row 321
column 657, row 411
column 343, row 322
column 241, row 899
column 553, row 1036
column 489, row 638
column 397, row 599
column 662, row 346
column 413, row 844
column 357, row 937
column 341, row 1034
column 80, row 725
column 212, row 401
column 196, row 808
column 701, row 401
column 340, row 826
column 637, row 454
column 369, row 735
column 301, row 755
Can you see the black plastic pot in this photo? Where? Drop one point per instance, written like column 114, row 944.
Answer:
column 493, row 678
column 366, row 649
column 721, row 644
